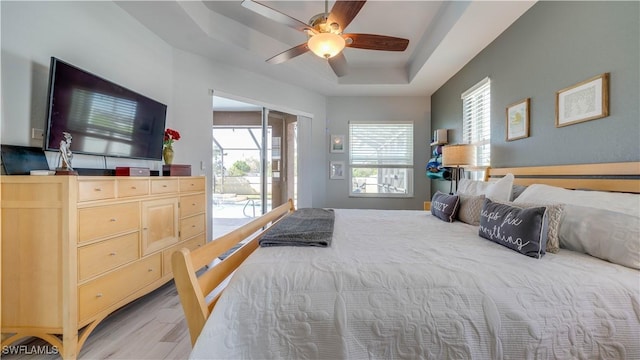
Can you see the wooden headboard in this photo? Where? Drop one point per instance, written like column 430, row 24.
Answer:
column 619, row 177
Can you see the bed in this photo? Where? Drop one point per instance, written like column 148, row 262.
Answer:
column 405, row 284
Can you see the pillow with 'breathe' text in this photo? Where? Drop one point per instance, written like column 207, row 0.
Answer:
column 444, row 207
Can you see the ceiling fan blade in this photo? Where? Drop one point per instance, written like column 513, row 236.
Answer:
column 339, row 64
column 275, row 15
column 289, row 54
column 344, row 11
column 376, row 42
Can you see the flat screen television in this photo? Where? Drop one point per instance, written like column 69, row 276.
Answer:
column 103, row 118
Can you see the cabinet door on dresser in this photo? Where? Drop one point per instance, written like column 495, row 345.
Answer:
column 159, row 224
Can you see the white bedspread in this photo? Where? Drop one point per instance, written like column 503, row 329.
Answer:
column 403, row 284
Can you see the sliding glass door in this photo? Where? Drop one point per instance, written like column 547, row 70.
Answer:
column 254, row 159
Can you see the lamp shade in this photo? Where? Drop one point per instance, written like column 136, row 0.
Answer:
column 326, row 45
column 459, row 155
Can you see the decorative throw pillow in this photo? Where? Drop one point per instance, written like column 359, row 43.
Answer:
column 604, row 234
column 444, row 207
column 522, row 230
column 498, row 190
column 554, row 212
column 516, row 190
column 470, row 207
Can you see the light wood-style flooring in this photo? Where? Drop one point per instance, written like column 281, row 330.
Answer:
column 152, row 327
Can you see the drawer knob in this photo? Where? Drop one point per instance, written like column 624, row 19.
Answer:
column 99, row 295
column 193, row 226
column 113, row 219
column 150, row 270
column 113, row 254
column 98, row 189
column 133, row 188
column 164, row 185
column 194, row 204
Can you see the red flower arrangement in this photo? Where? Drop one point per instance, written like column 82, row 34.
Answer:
column 170, row 136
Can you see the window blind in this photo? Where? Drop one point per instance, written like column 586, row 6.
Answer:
column 381, row 144
column 476, row 115
column 91, row 105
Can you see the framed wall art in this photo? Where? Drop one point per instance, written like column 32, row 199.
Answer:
column 337, row 143
column 518, row 120
column 336, row 170
column 587, row 100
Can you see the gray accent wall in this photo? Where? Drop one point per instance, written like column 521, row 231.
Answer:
column 552, row 46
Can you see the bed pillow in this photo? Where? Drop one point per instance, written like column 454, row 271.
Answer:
column 554, row 213
column 445, row 207
column 516, row 190
column 522, row 230
column 470, row 207
column 498, row 190
column 604, row 234
column 619, row 202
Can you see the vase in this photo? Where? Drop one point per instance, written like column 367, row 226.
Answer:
column 167, row 155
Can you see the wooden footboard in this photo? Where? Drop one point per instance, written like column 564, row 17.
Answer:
column 194, row 288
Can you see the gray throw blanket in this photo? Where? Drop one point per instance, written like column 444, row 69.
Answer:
column 304, row 227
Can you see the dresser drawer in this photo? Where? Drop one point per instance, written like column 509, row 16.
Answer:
column 99, row 294
column 192, row 204
column 191, row 226
column 192, row 184
column 189, row 244
column 106, row 255
column 132, row 187
column 96, row 190
column 164, row 186
column 101, row 221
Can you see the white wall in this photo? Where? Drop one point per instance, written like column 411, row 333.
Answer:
column 96, row 36
column 343, row 109
column 194, row 76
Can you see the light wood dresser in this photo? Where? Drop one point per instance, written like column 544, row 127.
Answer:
column 75, row 249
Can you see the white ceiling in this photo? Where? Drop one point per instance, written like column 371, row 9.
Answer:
column 443, row 37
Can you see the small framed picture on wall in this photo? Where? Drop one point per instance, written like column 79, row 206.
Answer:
column 336, row 170
column 584, row 101
column 518, row 120
column 337, row 143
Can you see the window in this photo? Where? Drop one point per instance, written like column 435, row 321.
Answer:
column 476, row 113
column 381, row 159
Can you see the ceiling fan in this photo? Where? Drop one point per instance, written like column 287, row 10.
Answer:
column 326, row 34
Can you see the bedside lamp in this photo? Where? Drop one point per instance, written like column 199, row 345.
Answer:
column 457, row 156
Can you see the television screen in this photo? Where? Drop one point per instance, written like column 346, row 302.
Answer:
column 103, row 118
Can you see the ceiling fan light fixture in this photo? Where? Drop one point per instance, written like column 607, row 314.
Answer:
column 326, row 45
